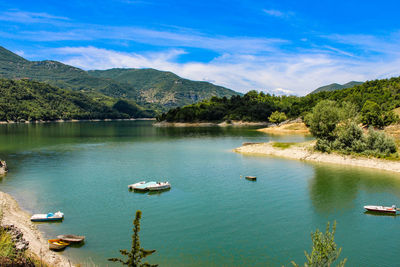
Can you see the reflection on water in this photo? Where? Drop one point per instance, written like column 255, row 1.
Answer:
column 335, row 187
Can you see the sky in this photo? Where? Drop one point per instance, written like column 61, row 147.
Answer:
column 279, row 46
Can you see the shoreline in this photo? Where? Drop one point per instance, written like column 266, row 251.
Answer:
column 14, row 215
column 210, row 124
column 60, row 121
column 304, row 151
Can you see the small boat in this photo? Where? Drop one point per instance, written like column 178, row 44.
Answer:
column 142, row 186
column 132, row 186
column 58, row 216
column 71, row 238
column 252, row 178
column 57, row 244
column 382, row 209
column 159, row 186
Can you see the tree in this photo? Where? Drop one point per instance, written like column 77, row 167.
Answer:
column 137, row 253
column 324, row 250
column 277, row 117
column 372, row 114
column 323, row 120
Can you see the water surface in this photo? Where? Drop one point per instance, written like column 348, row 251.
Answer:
column 211, row 216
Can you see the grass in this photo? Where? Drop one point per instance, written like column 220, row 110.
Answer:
column 6, row 244
column 282, row 145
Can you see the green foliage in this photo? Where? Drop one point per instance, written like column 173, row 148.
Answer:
column 252, row 106
column 349, row 138
column 26, row 100
column 379, row 144
column 282, row 145
column 136, row 254
column 325, row 116
column 258, row 107
column 324, row 250
column 277, row 117
column 372, row 114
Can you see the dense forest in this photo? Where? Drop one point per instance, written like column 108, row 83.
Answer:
column 24, row 100
column 374, row 100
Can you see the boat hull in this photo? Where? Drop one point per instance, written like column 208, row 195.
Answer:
column 381, row 209
column 71, row 238
column 57, row 244
column 47, row 220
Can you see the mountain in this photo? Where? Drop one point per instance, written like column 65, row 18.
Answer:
column 151, row 88
column 161, row 87
column 336, row 86
column 31, row 101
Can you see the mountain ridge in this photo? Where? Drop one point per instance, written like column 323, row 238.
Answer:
column 169, row 91
column 335, row 86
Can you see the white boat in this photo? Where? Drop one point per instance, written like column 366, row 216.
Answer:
column 159, row 186
column 382, row 209
column 58, row 216
column 141, row 186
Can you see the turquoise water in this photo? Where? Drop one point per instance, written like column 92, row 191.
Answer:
column 211, row 216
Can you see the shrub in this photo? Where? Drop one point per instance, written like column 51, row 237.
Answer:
column 277, row 117
column 379, row 144
column 349, row 138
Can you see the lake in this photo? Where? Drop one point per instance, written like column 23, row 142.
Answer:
column 211, row 216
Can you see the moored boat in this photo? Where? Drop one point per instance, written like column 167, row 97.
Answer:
column 57, row 244
column 58, row 216
column 252, row 178
column 71, row 238
column 381, row 209
column 159, row 186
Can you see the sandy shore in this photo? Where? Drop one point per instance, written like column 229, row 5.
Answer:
column 209, row 124
column 304, row 151
column 12, row 214
column 289, row 128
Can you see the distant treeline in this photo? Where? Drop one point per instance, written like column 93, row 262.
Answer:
column 30, row 101
column 376, row 98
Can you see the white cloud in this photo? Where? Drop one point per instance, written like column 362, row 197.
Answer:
column 274, row 12
column 29, row 17
column 299, row 73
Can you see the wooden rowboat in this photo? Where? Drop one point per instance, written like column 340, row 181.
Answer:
column 57, row 244
column 252, row 178
column 71, row 238
column 381, row 209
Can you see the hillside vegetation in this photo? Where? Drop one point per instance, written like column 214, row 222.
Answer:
column 150, row 88
column 163, row 88
column 373, row 100
column 30, row 101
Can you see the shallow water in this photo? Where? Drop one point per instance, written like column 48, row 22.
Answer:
column 211, row 216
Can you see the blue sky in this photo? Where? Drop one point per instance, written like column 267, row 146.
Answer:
column 273, row 46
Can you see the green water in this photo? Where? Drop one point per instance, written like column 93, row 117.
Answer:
column 210, row 217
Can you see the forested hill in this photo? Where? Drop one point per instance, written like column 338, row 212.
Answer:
column 165, row 88
column 150, row 88
column 29, row 100
column 336, row 86
column 378, row 97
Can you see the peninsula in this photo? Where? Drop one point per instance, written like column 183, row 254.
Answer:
column 305, row 151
